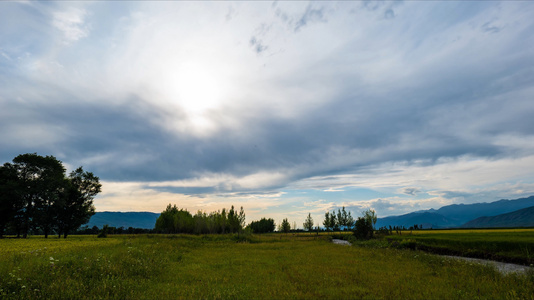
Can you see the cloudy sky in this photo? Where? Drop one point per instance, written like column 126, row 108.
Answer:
column 284, row 108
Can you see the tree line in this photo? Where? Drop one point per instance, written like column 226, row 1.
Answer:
column 174, row 220
column 36, row 195
column 336, row 222
column 262, row 226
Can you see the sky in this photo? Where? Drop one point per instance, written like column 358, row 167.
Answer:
column 284, row 108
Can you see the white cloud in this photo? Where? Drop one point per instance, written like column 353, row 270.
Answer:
column 71, row 22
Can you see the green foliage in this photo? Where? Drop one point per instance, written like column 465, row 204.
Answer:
column 285, row 226
column 363, row 229
column 37, row 195
column 347, row 220
column 371, row 217
column 174, row 220
column 262, row 226
column 76, row 204
column 364, row 226
column 308, row 224
column 104, row 232
column 334, row 224
column 9, row 204
column 340, row 220
column 326, row 222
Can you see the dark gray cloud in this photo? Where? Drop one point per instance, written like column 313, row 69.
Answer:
column 410, row 191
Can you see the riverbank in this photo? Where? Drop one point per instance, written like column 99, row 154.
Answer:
column 502, row 267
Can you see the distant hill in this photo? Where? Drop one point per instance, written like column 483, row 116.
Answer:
column 146, row 220
column 425, row 218
column 462, row 213
column 455, row 215
column 519, row 218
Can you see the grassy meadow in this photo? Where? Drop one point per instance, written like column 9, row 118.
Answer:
column 269, row 266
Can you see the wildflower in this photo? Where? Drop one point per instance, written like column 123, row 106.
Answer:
column 23, row 286
column 51, row 258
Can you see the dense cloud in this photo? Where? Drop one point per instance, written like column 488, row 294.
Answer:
column 244, row 99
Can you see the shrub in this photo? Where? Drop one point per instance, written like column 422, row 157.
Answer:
column 363, row 229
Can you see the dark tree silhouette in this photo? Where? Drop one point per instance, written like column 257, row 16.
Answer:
column 36, row 194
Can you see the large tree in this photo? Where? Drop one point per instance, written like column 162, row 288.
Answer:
column 9, row 199
column 36, row 194
column 75, row 206
column 39, row 181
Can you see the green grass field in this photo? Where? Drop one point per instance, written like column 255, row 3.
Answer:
column 219, row 267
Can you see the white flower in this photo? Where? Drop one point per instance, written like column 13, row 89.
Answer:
column 51, row 258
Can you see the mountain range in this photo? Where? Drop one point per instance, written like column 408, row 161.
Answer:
column 519, row 218
column 457, row 215
column 145, row 220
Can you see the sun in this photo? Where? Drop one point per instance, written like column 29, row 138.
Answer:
column 197, row 88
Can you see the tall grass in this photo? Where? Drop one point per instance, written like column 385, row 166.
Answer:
column 257, row 267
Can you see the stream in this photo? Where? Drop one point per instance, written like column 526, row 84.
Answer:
column 504, row 268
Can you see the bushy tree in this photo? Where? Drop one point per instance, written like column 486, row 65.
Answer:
column 362, row 229
column 36, row 194
column 371, row 217
column 236, row 221
column 345, row 219
column 333, row 221
column 349, row 221
column 326, row 222
column 364, row 226
column 308, row 224
column 262, row 226
column 75, row 205
column 285, row 226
